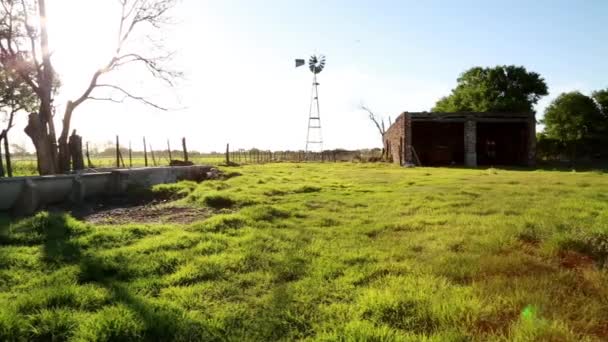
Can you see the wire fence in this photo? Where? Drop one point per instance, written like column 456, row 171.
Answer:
column 27, row 165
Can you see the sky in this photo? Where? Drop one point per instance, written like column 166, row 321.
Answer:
column 240, row 84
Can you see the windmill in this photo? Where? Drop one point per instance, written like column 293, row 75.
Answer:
column 314, row 138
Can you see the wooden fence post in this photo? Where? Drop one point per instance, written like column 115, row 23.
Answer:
column 169, row 149
column 7, row 155
column 227, row 154
column 1, row 163
column 185, row 149
column 117, row 153
column 145, row 153
column 152, row 152
column 89, row 164
column 130, row 156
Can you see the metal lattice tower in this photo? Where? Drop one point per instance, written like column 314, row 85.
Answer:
column 314, row 136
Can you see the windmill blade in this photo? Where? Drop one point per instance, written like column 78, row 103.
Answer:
column 300, row 62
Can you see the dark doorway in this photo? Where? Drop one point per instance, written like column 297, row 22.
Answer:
column 502, row 143
column 438, row 143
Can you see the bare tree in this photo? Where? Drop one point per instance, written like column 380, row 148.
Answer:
column 134, row 15
column 378, row 122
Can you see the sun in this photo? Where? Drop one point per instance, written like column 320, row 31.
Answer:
column 82, row 38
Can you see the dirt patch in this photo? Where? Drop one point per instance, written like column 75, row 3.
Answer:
column 574, row 260
column 148, row 213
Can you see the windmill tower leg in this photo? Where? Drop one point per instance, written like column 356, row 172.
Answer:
column 314, row 137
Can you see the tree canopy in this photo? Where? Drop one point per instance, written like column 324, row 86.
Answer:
column 601, row 98
column 498, row 89
column 574, row 116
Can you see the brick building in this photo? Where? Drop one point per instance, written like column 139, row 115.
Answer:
column 464, row 138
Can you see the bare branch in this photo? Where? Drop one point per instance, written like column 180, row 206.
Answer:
column 131, row 96
column 152, row 64
column 372, row 116
column 110, row 99
column 31, row 34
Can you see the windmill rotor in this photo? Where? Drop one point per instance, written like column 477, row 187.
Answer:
column 316, row 63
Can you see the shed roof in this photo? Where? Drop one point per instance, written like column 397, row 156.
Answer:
column 475, row 116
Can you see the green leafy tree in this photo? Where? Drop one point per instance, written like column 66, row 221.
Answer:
column 15, row 96
column 572, row 117
column 498, row 89
column 601, row 97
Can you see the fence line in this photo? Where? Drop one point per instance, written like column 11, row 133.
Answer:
column 27, row 165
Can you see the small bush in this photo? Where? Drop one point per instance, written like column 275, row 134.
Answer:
column 307, row 189
column 114, row 323
column 207, row 268
column 174, row 190
column 12, row 326
column 275, row 192
column 56, row 325
column 591, row 243
column 530, row 233
column 221, row 223
column 219, row 201
column 268, row 213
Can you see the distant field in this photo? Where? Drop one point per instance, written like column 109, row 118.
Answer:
column 328, row 252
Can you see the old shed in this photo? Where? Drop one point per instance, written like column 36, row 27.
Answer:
column 464, row 138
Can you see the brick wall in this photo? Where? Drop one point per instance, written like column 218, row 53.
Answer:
column 394, row 140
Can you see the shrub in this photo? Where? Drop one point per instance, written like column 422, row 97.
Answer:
column 174, row 190
column 592, row 243
column 307, row 189
column 56, row 325
column 114, row 323
column 219, row 201
column 267, row 213
column 12, row 326
column 221, row 223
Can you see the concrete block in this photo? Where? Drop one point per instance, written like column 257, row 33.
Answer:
column 29, row 199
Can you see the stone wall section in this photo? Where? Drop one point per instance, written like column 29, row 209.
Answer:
column 394, row 140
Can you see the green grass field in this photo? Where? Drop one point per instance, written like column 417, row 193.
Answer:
column 328, row 252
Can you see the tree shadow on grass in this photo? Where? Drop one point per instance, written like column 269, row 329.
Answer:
column 160, row 321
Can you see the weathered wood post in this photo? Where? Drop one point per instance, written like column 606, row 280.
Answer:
column 117, row 153
column 227, row 154
column 152, row 152
column 1, row 163
column 7, row 155
column 145, row 153
column 130, row 155
column 185, row 149
column 169, row 149
column 89, row 164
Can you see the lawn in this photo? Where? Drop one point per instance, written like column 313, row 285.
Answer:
column 328, row 252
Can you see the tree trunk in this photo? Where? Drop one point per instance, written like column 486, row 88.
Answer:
column 46, row 153
column 40, row 127
column 1, row 163
column 64, row 148
column 7, row 155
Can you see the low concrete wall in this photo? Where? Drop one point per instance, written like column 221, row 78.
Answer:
column 24, row 195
